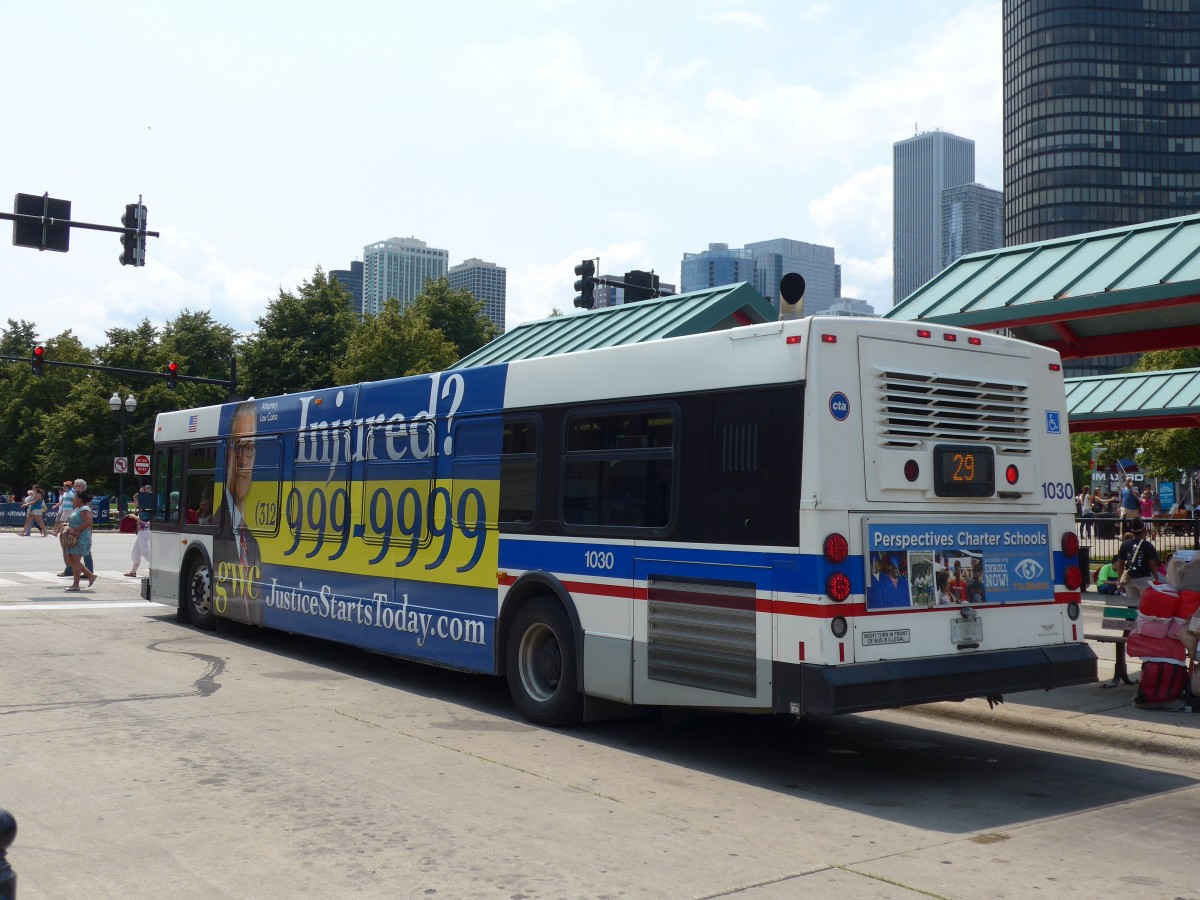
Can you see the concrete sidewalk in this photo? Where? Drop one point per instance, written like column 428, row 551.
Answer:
column 1087, row 713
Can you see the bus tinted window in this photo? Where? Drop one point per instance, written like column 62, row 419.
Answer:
column 518, row 471
column 618, row 469
column 166, row 484
column 201, row 479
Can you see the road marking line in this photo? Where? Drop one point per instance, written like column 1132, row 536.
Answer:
column 75, row 604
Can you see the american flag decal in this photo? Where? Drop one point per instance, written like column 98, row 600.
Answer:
column 193, row 423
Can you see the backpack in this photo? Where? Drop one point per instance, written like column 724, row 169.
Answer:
column 1162, row 684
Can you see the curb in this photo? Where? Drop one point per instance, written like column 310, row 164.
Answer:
column 1150, row 738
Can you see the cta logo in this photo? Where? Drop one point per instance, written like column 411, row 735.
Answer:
column 839, row 406
column 1029, row 569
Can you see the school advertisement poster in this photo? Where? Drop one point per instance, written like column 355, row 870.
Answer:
column 916, row 566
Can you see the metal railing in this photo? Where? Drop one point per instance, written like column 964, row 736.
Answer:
column 1103, row 535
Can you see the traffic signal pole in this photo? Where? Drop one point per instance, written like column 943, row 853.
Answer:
column 230, row 383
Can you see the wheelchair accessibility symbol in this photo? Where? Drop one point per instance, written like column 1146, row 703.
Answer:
column 1053, row 422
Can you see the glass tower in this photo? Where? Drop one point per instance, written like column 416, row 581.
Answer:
column 398, row 267
column 922, row 167
column 1101, row 114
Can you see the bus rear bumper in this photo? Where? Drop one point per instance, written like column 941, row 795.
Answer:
column 887, row 684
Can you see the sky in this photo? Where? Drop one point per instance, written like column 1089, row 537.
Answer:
column 269, row 138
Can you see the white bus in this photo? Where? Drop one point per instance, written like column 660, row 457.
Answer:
column 820, row 515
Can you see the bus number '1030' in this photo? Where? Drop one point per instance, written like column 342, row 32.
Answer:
column 597, row 559
column 1058, row 490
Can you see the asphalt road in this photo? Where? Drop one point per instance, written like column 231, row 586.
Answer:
column 143, row 758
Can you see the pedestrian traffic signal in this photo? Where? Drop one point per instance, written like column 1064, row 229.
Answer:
column 172, row 375
column 133, row 242
column 586, row 285
column 38, row 358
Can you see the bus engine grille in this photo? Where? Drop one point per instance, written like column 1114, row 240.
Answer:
column 920, row 406
column 702, row 634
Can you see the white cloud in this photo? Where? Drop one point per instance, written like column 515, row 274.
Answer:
column 739, row 17
column 857, row 214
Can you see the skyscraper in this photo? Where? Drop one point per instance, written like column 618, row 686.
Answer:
column 972, row 220
column 763, row 264
column 1101, row 114
column 398, row 268
column 715, row 266
column 488, row 283
column 822, row 276
column 352, row 280
column 922, row 167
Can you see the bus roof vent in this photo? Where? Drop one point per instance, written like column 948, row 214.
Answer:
column 914, row 407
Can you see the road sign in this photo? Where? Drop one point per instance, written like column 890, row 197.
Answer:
column 141, row 464
column 120, row 465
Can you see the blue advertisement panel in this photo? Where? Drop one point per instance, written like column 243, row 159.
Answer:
column 1166, row 495
column 917, row 566
column 365, row 514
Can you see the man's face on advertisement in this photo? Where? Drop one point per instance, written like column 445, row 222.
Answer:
column 239, row 457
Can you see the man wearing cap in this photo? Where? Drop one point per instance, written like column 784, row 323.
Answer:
column 1138, row 556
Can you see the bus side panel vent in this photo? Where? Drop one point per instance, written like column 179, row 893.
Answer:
column 702, row 634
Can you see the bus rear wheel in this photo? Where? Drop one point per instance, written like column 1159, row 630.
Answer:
column 541, row 664
column 198, row 595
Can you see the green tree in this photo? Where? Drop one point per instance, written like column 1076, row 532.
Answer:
column 301, row 339
column 203, row 348
column 457, row 315
column 1162, row 452
column 394, row 343
column 17, row 338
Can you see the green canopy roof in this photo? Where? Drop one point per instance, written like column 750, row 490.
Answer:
column 713, row 309
column 1141, row 400
column 1123, row 290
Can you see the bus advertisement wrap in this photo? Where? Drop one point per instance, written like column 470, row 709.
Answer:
column 341, row 512
column 918, row 566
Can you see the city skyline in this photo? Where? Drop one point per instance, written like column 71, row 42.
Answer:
column 522, row 147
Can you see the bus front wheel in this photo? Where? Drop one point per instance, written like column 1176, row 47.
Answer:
column 198, row 595
column 540, row 661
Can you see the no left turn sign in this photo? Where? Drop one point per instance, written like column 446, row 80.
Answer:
column 120, row 465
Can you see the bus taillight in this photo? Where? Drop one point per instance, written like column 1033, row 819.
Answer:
column 1073, row 578
column 1070, row 544
column 837, row 548
column 838, row 586
column 1011, row 474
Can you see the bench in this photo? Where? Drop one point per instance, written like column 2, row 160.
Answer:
column 1120, row 615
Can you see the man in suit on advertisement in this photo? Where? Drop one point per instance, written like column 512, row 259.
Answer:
column 235, row 548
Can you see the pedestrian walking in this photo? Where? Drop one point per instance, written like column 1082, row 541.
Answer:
column 1085, row 510
column 141, row 545
column 77, row 539
column 34, row 505
column 76, row 486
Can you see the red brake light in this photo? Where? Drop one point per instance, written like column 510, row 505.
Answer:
column 1073, row 578
column 950, row 337
column 924, row 332
column 838, row 586
column 836, row 548
column 829, row 339
column 974, row 341
column 1055, row 367
column 1070, row 544
column 911, row 470
column 792, row 339
column 1011, row 474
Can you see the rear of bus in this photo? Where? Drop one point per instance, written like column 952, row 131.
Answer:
column 936, row 497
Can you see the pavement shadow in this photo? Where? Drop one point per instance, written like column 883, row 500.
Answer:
column 923, row 777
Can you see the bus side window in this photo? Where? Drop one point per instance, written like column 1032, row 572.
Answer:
column 166, row 485
column 518, row 471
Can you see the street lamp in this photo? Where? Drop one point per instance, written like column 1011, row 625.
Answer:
column 119, row 410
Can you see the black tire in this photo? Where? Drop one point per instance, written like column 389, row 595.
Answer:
column 541, row 665
column 198, row 595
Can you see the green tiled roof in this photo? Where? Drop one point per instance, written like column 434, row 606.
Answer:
column 1134, row 399
column 695, row 312
column 1082, row 294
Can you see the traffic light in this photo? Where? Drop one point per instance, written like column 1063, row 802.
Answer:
column 586, row 285
column 133, row 244
column 38, row 359
column 172, row 375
